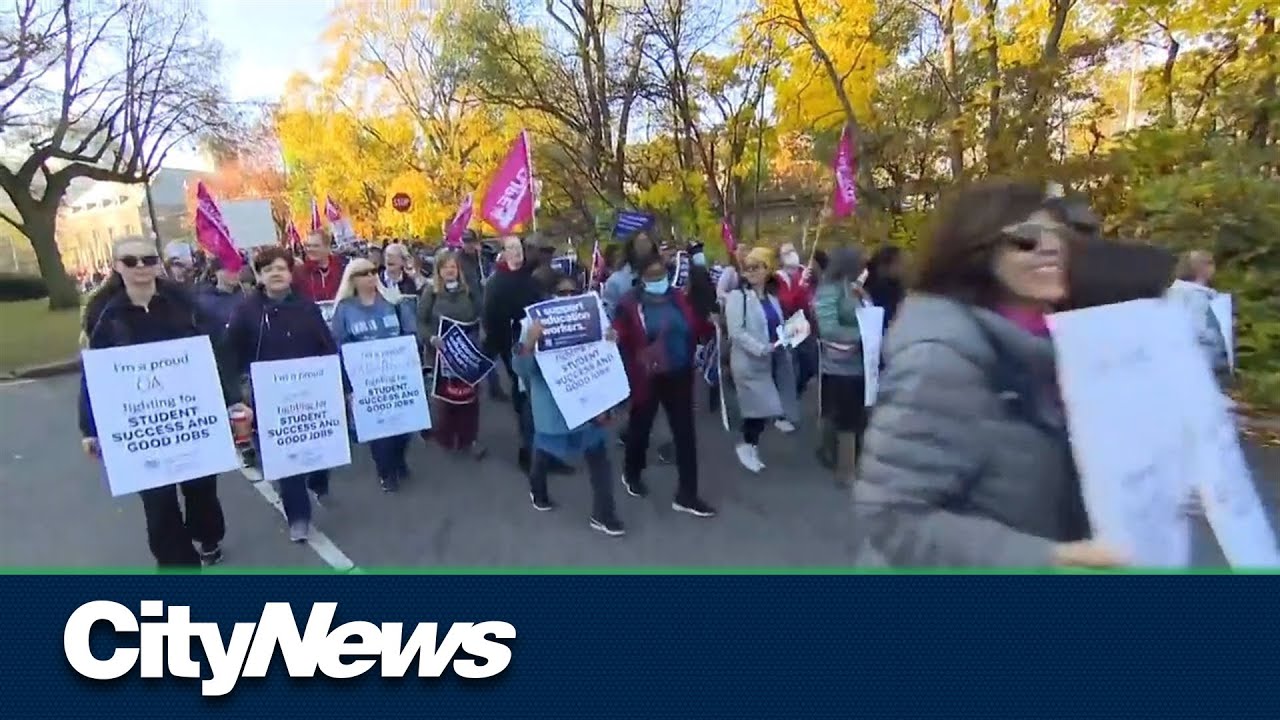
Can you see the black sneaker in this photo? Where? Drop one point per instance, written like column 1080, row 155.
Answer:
column 210, row 554
column 541, row 504
column 389, row 485
column 635, row 488
column 695, row 507
column 612, row 528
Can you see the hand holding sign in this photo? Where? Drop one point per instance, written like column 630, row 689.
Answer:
column 533, row 336
column 1087, row 554
column 91, row 447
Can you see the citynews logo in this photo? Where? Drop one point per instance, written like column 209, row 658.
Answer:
column 347, row 651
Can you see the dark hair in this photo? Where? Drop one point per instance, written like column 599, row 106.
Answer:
column 1102, row 272
column 883, row 258
column 554, row 278
column 845, row 266
column 821, row 259
column 955, row 260
column 644, row 263
column 268, row 255
column 629, row 253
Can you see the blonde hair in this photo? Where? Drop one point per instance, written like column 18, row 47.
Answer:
column 446, row 255
column 763, row 256
column 347, row 288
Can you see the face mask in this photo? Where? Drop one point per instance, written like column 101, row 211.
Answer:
column 699, row 259
column 657, row 287
column 791, row 259
column 451, row 285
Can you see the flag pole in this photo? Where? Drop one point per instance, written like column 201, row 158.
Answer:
column 533, row 178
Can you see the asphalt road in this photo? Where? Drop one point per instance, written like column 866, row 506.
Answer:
column 56, row 511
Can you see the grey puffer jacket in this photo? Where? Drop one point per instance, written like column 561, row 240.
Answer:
column 1196, row 301
column 966, row 460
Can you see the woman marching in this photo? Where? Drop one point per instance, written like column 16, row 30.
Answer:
column 842, row 383
column 553, row 440
column 761, row 365
column 658, row 331
column 367, row 310
column 275, row 323
column 449, row 297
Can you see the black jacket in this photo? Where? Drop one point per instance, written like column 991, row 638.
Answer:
column 505, row 298
column 111, row 320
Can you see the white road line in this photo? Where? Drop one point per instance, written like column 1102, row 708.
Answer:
column 319, row 542
column 16, row 383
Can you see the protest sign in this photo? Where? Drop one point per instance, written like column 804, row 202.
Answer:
column 451, row 383
column 461, row 359
column 680, row 273
column 795, row 330
column 160, row 413
column 1223, row 312
column 583, row 370
column 388, row 394
column 1127, row 425
column 302, row 416
column 871, row 331
column 565, row 264
column 568, row 321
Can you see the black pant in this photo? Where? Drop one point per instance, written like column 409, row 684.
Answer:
column 752, row 429
column 519, row 404
column 598, row 472
column 170, row 534
column 674, row 392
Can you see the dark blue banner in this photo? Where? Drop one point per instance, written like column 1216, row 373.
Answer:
column 629, row 222
column 650, row 647
column 460, row 358
column 565, row 264
column 568, row 321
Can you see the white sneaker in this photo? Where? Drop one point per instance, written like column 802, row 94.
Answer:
column 755, row 457
column 747, row 456
column 784, row 426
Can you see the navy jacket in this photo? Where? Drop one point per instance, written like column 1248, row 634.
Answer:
column 111, row 320
column 262, row 329
column 216, row 307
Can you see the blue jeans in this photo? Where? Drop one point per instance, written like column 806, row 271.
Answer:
column 388, row 456
column 294, row 497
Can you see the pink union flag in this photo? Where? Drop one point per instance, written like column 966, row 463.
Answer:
column 509, row 200
column 331, row 210
column 458, row 226
column 597, row 265
column 844, row 201
column 726, row 234
column 212, row 232
column 316, row 224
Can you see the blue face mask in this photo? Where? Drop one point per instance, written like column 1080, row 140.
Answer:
column 700, row 259
column 657, row 287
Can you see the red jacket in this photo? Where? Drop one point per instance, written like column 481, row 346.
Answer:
column 314, row 283
column 633, row 338
column 794, row 294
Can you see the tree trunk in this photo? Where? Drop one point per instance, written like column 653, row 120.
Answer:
column 1166, row 81
column 995, row 152
column 155, row 223
column 955, row 135
column 1260, row 129
column 38, row 225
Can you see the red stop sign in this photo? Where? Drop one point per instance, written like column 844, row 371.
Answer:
column 401, row 202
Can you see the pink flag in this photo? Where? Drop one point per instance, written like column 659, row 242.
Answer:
column 509, row 200
column 597, row 265
column 453, row 235
column 212, row 232
column 331, row 210
column 316, row 224
column 292, row 239
column 845, row 199
column 726, row 234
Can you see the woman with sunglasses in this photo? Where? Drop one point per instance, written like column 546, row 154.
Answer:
column 762, row 366
column 134, row 307
column 367, row 310
column 967, row 460
column 553, row 440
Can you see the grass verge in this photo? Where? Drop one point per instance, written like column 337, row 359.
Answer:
column 31, row 334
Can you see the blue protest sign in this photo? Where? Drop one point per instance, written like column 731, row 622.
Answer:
column 564, row 264
column 568, row 321
column 461, row 359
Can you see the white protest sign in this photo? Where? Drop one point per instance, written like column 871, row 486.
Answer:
column 160, row 413
column 1224, row 313
column 389, row 397
column 871, row 330
column 795, row 330
column 586, row 378
column 301, row 414
column 1128, row 430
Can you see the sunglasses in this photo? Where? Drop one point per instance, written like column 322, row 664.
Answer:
column 133, row 261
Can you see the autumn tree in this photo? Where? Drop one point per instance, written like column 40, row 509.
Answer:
column 97, row 91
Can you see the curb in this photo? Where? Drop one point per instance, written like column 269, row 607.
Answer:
column 47, row 370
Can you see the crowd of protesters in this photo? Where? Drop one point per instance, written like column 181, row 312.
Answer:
column 963, row 458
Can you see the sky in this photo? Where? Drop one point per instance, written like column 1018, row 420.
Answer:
column 266, row 42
